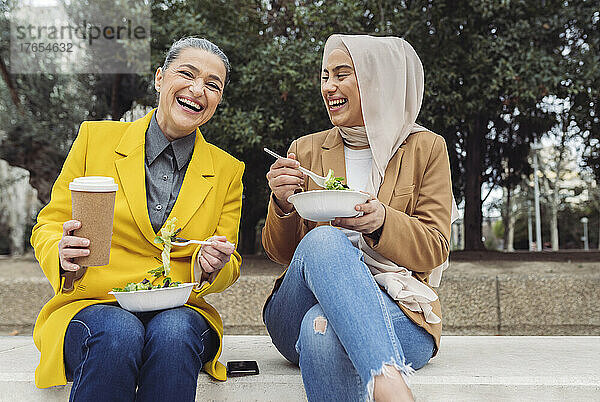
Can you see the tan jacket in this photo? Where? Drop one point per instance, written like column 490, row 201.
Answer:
column 416, row 193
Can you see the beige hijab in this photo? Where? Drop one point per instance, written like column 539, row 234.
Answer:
column 391, row 83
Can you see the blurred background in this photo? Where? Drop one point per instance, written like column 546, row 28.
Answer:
column 513, row 86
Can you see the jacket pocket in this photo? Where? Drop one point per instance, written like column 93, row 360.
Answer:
column 402, row 197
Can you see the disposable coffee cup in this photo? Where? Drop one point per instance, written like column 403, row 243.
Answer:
column 93, row 204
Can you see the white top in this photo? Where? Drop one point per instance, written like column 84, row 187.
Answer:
column 397, row 281
column 358, row 168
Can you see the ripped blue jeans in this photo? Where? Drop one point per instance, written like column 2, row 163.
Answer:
column 330, row 317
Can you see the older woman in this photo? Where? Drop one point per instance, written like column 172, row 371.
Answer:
column 164, row 168
column 354, row 308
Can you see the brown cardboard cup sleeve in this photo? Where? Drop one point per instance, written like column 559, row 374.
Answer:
column 93, row 204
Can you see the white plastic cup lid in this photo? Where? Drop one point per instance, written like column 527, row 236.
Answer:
column 93, row 184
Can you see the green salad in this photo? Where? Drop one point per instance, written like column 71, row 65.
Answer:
column 334, row 183
column 147, row 285
column 165, row 237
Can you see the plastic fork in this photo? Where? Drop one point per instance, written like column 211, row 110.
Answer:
column 319, row 180
column 180, row 241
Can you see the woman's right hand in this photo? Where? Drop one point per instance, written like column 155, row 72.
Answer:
column 70, row 246
column 284, row 180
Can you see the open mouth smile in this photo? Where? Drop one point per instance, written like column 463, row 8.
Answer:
column 336, row 104
column 189, row 105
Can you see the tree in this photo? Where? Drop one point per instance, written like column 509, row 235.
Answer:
column 41, row 117
column 557, row 163
column 273, row 97
column 582, row 80
column 488, row 66
column 501, row 63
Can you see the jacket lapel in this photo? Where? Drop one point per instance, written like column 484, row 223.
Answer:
column 392, row 172
column 132, row 173
column 332, row 155
column 195, row 185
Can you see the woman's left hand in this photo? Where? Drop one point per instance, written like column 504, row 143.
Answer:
column 372, row 219
column 214, row 256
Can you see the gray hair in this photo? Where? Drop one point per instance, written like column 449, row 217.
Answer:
column 198, row 43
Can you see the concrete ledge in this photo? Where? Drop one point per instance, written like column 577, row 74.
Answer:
column 471, row 368
column 477, row 299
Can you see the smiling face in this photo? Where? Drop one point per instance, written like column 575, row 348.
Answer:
column 339, row 88
column 191, row 88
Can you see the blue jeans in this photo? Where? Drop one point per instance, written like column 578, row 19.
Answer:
column 331, row 318
column 109, row 352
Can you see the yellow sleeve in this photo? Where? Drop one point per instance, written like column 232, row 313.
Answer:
column 228, row 226
column 47, row 232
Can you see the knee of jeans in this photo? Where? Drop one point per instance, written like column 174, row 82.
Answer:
column 176, row 327
column 324, row 239
column 324, row 234
column 122, row 339
column 418, row 354
column 317, row 338
column 323, row 247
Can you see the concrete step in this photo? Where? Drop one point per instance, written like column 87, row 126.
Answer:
column 467, row 368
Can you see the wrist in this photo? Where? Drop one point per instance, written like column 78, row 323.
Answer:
column 376, row 234
column 284, row 206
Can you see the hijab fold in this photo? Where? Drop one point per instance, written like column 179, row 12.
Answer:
column 391, row 83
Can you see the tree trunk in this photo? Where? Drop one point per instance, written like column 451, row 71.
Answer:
column 554, row 217
column 553, row 208
column 556, row 193
column 11, row 87
column 505, row 214
column 508, row 218
column 381, row 17
column 511, row 233
column 554, row 225
column 247, row 236
column 473, row 216
column 115, row 109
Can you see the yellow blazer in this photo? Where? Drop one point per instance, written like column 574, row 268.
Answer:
column 208, row 204
column 416, row 193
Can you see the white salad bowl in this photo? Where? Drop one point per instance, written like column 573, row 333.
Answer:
column 326, row 205
column 154, row 299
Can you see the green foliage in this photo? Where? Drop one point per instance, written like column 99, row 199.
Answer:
column 488, row 67
column 37, row 136
column 498, row 229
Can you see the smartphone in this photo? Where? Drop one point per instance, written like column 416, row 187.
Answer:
column 239, row 368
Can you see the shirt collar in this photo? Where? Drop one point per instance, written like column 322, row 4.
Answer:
column 156, row 142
